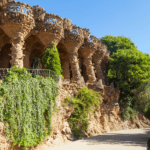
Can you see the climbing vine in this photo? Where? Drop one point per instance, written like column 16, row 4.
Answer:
column 51, row 60
column 26, row 107
column 85, row 103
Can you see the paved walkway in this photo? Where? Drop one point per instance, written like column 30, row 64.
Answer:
column 131, row 139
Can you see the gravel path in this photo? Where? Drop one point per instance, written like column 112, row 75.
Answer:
column 131, row 139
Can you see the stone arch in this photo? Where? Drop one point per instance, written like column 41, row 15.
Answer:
column 36, row 53
column 5, row 46
column 36, row 63
column 64, row 61
column 32, row 44
column 4, row 56
column 82, row 66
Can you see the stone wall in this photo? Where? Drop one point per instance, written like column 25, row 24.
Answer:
column 103, row 121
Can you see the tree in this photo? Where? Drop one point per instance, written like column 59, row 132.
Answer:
column 114, row 43
column 128, row 69
column 51, row 59
column 142, row 98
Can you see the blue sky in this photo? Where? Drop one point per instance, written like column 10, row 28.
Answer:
column 130, row 18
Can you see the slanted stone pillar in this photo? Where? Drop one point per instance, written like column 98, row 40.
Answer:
column 72, row 41
column 89, row 69
column 87, row 50
column 73, row 59
column 104, row 66
column 17, row 51
column 17, row 24
column 97, row 59
column 66, row 71
column 74, row 38
column 27, row 59
column 99, row 70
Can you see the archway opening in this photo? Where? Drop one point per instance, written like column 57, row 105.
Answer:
column 82, row 66
column 4, row 57
column 36, row 59
column 36, row 63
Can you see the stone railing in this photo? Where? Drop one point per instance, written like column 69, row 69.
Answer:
column 41, row 72
column 16, row 12
column 93, row 39
column 91, row 42
column 76, row 33
column 38, row 13
column 86, row 33
column 67, row 24
column 76, row 30
column 3, row 2
column 52, row 23
column 18, row 7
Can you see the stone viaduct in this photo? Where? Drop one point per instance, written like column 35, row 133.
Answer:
column 26, row 31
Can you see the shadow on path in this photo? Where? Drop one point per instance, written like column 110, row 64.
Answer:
column 135, row 138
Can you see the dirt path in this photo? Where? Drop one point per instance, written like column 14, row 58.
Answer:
column 131, row 139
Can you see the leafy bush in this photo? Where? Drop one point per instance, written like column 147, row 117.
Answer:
column 128, row 69
column 115, row 43
column 142, row 97
column 26, row 107
column 51, row 59
column 127, row 111
column 85, row 103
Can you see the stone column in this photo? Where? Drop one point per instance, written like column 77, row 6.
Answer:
column 97, row 59
column 26, row 59
column 66, row 71
column 99, row 72
column 74, row 38
column 88, row 49
column 17, row 55
column 17, row 25
column 104, row 65
column 89, row 69
column 73, row 59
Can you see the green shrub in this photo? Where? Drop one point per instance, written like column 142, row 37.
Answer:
column 86, row 102
column 26, row 107
column 128, row 69
column 142, row 97
column 115, row 43
column 51, row 59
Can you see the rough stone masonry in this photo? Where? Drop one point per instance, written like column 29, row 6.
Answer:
column 26, row 31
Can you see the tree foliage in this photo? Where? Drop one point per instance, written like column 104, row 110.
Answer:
column 142, row 97
column 26, row 106
column 128, row 69
column 85, row 103
column 114, row 43
column 51, row 59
